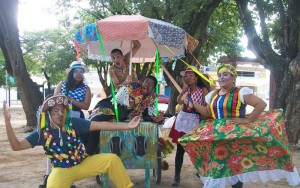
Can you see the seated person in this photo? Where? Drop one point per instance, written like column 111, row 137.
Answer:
column 132, row 100
column 119, row 71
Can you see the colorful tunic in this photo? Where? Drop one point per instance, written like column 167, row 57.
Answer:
column 228, row 105
column 129, row 99
column 63, row 154
column 225, row 153
column 122, row 73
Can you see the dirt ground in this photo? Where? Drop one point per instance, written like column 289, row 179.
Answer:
column 26, row 168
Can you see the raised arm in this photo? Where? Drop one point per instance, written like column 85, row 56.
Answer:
column 58, row 89
column 15, row 143
column 258, row 104
column 111, row 126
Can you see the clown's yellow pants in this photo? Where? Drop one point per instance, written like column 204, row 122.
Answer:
column 91, row 167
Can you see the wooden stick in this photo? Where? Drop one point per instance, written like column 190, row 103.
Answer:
column 171, row 78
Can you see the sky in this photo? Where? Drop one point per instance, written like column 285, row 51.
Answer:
column 34, row 16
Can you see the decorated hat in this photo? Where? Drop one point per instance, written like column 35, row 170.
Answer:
column 188, row 69
column 77, row 64
column 199, row 73
column 227, row 68
column 54, row 100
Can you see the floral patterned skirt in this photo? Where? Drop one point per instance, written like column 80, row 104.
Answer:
column 225, row 153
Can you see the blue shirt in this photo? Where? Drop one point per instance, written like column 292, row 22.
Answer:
column 81, row 126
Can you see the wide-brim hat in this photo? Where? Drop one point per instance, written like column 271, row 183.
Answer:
column 54, row 100
column 77, row 64
column 194, row 69
column 188, row 69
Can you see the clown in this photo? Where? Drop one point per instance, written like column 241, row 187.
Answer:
column 60, row 135
column 233, row 149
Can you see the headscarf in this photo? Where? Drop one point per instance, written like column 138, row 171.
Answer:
column 227, row 68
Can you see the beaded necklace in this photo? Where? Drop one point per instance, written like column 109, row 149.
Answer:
column 73, row 151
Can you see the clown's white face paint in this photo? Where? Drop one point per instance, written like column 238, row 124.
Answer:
column 78, row 74
column 225, row 78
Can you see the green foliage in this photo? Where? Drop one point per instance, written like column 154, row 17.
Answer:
column 224, row 33
column 2, row 69
column 5, row 78
column 51, row 51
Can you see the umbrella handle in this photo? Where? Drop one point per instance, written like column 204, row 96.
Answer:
column 130, row 59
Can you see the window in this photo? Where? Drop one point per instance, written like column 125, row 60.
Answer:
column 245, row 74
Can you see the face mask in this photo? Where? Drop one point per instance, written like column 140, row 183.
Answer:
column 78, row 71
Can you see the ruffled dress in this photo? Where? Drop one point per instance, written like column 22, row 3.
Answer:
column 225, row 153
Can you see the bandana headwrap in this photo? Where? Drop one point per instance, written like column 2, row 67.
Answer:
column 227, row 68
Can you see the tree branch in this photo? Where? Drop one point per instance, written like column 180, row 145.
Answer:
column 291, row 29
column 263, row 24
column 262, row 51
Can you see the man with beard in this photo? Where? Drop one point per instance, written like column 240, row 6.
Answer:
column 133, row 99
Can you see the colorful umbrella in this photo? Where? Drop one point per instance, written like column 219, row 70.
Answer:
column 157, row 38
column 119, row 30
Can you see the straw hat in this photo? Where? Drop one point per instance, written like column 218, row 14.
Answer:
column 191, row 69
column 77, row 64
column 188, row 69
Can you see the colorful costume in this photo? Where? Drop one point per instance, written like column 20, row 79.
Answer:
column 63, row 146
column 225, row 153
column 129, row 101
column 122, row 73
column 187, row 118
column 185, row 121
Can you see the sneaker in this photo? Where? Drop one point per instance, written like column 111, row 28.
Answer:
column 44, row 185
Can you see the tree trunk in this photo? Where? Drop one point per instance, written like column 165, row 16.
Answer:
column 30, row 95
column 292, row 118
column 102, row 71
column 284, row 66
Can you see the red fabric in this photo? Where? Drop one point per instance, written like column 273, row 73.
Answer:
column 174, row 134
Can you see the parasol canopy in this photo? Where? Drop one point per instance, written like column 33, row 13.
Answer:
column 119, row 30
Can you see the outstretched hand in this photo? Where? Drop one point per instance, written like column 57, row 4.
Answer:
column 6, row 111
column 134, row 122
